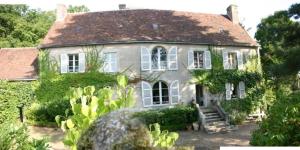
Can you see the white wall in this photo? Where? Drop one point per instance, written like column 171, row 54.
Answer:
column 128, row 56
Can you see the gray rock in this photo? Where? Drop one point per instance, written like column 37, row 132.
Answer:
column 116, row 130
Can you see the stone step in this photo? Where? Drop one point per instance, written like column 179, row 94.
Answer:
column 211, row 113
column 216, row 123
column 213, row 119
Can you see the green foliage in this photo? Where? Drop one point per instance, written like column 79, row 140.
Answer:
column 282, row 124
column 21, row 26
column 162, row 139
column 215, row 78
column 87, row 105
column 51, row 93
column 13, row 94
column 15, row 137
column 47, row 66
column 80, row 8
column 278, row 36
column 172, row 119
column 93, row 59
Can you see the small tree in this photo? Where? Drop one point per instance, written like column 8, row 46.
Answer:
column 87, row 105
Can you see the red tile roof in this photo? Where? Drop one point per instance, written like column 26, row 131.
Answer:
column 128, row 26
column 18, row 63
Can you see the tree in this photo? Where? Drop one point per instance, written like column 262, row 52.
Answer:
column 279, row 38
column 21, row 26
column 81, row 8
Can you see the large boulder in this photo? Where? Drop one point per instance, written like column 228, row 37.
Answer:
column 116, row 130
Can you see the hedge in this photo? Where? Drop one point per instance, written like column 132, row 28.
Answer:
column 171, row 119
column 13, row 94
column 51, row 93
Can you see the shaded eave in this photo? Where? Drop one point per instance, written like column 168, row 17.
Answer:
column 141, row 42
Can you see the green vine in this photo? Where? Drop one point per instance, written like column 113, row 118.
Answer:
column 215, row 78
column 47, row 67
column 93, row 59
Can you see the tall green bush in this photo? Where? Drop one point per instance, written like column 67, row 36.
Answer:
column 281, row 127
column 51, row 93
column 87, row 106
column 172, row 119
column 14, row 136
column 13, row 94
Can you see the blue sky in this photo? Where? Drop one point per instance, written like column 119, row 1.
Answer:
column 250, row 11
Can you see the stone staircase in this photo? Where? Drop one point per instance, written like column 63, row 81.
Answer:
column 214, row 122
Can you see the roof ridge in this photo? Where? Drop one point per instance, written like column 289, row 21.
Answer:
column 142, row 9
column 17, row 48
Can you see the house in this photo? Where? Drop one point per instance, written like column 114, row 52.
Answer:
column 161, row 43
column 19, row 64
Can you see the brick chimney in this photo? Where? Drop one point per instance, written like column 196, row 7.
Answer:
column 122, row 6
column 232, row 13
column 61, row 12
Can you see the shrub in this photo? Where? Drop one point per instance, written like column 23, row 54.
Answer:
column 282, row 124
column 13, row 94
column 15, row 136
column 172, row 119
column 51, row 93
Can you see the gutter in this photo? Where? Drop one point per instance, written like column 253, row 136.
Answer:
column 138, row 42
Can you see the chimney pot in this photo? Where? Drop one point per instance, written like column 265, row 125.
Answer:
column 232, row 13
column 122, row 6
column 61, row 12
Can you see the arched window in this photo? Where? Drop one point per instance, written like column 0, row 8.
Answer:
column 160, row 93
column 159, row 58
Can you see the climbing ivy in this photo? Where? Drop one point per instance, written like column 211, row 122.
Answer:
column 215, row 78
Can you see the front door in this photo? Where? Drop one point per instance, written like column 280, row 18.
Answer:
column 199, row 94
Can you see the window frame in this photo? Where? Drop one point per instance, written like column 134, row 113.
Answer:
column 73, row 55
column 203, row 59
column 159, row 68
column 160, row 94
column 231, row 66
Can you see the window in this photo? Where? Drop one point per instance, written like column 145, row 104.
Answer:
column 234, row 90
column 232, row 60
column 160, row 93
column 198, row 59
column 110, row 62
column 73, row 65
column 159, row 58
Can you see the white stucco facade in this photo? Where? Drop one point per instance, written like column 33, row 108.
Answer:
column 129, row 58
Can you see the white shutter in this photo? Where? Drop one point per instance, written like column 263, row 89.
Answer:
column 225, row 60
column 242, row 91
column 172, row 58
column 174, row 92
column 113, row 62
column 146, row 94
column 145, row 59
column 240, row 60
column 228, row 91
column 81, row 62
column 190, row 59
column 207, row 62
column 106, row 64
column 64, row 63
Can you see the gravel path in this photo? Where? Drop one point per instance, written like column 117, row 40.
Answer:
column 199, row 139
